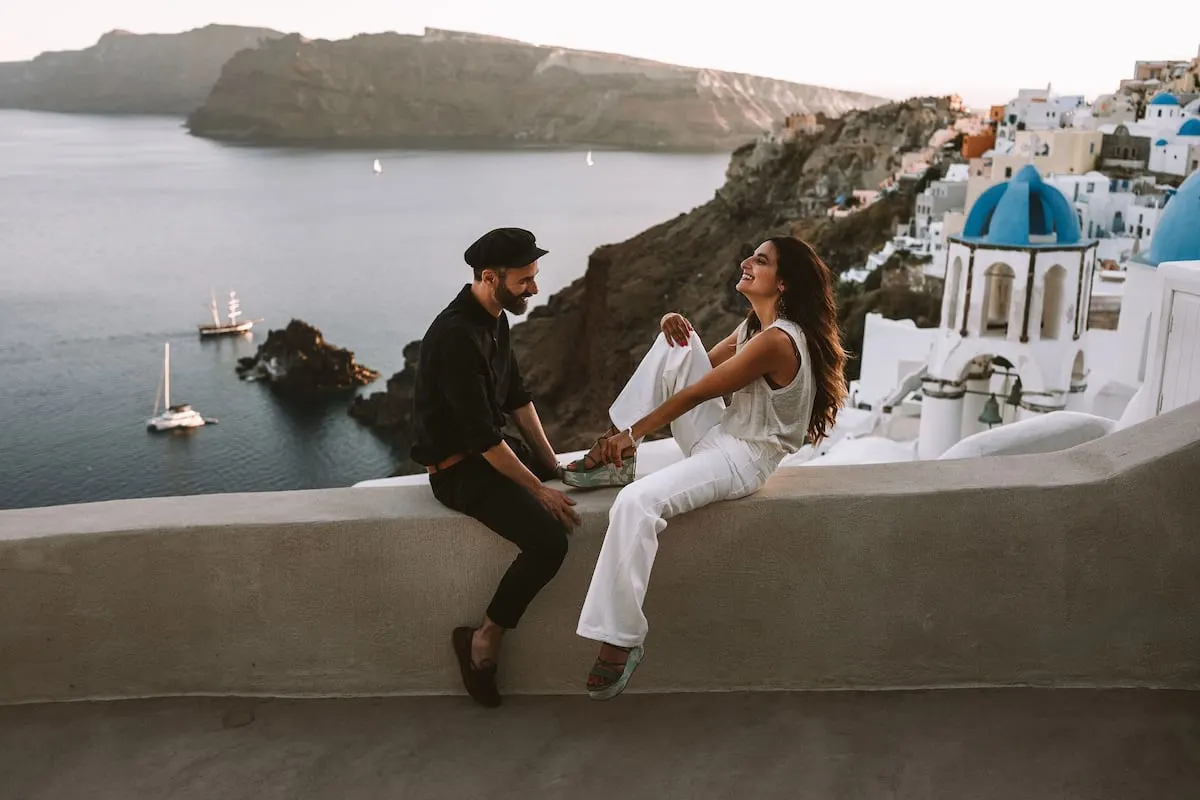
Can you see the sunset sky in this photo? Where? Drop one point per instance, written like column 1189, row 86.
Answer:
column 985, row 52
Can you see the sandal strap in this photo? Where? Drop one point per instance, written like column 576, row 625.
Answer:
column 607, row 671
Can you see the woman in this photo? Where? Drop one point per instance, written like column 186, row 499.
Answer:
column 783, row 367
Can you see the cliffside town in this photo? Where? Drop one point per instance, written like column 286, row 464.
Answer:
column 457, row 89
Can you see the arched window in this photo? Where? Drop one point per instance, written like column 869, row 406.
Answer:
column 952, row 285
column 997, row 299
column 1054, row 296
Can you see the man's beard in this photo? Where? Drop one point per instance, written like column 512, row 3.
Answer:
column 513, row 304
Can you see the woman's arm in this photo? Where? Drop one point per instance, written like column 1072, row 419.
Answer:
column 765, row 353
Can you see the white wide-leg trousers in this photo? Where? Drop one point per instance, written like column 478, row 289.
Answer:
column 717, row 467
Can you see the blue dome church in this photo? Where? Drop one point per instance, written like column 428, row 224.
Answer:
column 1017, row 293
column 1177, row 237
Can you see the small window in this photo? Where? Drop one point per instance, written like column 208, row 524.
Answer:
column 1008, row 172
column 1092, row 147
column 1091, row 187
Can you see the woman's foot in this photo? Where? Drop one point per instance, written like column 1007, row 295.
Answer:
column 612, row 670
column 590, row 472
column 591, row 459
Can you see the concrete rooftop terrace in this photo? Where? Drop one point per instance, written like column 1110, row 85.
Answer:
column 1076, row 572
column 1032, row 744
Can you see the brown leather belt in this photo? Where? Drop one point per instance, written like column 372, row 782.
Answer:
column 445, row 463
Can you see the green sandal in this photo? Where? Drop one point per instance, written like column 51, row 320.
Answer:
column 612, row 678
column 582, row 476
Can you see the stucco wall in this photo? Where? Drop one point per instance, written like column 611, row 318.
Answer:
column 1076, row 568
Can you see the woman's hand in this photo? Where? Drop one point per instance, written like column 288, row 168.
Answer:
column 612, row 447
column 676, row 328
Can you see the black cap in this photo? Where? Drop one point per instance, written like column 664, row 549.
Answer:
column 504, row 248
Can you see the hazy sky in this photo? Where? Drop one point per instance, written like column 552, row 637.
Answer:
column 984, row 51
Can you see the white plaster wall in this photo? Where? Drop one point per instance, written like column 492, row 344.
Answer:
column 1170, row 159
column 889, row 348
column 1137, row 327
column 1175, row 276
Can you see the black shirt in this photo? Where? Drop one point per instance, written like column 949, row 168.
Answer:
column 467, row 379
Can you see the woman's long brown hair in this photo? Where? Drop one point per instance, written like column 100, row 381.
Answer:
column 808, row 302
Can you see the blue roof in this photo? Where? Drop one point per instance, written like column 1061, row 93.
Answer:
column 1160, row 143
column 1190, row 128
column 1177, row 236
column 1009, row 213
column 1165, row 99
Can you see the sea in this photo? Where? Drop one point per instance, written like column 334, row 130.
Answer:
column 116, row 231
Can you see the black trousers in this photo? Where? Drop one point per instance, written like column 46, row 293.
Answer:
column 476, row 489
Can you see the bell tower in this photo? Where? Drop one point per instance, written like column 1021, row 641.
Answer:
column 1014, row 313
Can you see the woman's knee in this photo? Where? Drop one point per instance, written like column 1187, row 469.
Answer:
column 634, row 500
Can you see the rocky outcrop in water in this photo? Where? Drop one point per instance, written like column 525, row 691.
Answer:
column 458, row 89
column 128, row 73
column 297, row 360
column 578, row 349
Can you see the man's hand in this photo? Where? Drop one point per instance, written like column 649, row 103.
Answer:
column 676, row 328
column 559, row 505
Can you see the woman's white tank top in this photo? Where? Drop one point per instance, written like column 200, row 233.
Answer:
column 774, row 417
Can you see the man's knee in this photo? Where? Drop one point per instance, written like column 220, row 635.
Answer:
column 549, row 547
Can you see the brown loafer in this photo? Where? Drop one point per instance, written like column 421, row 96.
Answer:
column 480, row 682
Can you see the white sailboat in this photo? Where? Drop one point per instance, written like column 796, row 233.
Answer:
column 219, row 328
column 589, row 158
column 377, row 167
column 172, row 417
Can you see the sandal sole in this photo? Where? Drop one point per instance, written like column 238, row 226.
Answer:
column 605, row 475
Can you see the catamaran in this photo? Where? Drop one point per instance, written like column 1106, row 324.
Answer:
column 219, row 328
column 172, row 417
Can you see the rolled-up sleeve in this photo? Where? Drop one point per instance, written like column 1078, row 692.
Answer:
column 517, row 396
column 463, row 374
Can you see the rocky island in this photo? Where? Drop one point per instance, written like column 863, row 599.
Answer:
column 578, row 349
column 298, row 361
column 128, row 73
column 451, row 89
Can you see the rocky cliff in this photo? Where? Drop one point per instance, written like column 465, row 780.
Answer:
column 578, row 349
column 455, row 89
column 126, row 73
column 297, row 360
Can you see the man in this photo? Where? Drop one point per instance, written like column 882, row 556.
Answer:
column 467, row 380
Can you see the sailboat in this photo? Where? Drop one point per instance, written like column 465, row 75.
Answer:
column 377, row 167
column 172, row 417
column 218, row 328
column 589, row 158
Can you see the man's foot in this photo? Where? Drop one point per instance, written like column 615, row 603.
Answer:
column 612, row 670
column 479, row 677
